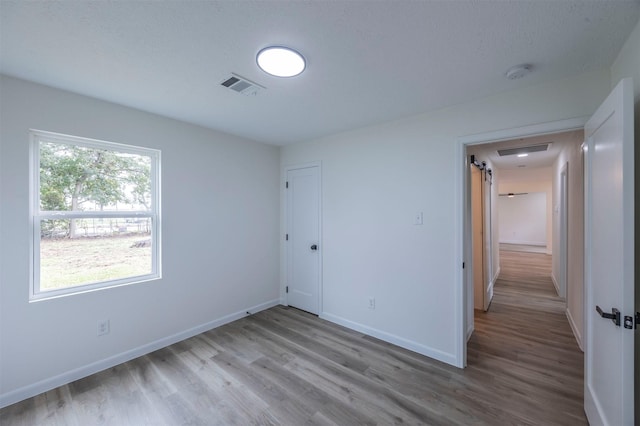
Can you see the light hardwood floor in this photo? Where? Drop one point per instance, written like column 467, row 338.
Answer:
column 284, row 366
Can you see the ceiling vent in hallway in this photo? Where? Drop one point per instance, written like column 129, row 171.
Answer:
column 242, row 85
column 524, row 149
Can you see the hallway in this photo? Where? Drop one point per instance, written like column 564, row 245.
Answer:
column 525, row 345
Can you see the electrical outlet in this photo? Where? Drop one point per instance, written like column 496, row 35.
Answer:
column 372, row 303
column 103, row 327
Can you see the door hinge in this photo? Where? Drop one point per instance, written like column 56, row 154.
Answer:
column 287, row 289
column 462, row 265
column 286, row 237
column 286, row 185
column 637, row 319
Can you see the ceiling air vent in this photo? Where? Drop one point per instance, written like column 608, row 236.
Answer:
column 524, row 149
column 241, row 85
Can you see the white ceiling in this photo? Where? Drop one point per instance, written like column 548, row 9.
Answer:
column 368, row 61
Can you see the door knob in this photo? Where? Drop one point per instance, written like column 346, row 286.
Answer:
column 613, row 316
column 314, row 247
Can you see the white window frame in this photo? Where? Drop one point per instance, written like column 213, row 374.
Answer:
column 36, row 215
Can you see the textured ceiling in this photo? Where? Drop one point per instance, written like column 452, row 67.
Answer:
column 368, row 61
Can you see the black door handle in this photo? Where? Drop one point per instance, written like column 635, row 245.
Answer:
column 613, row 316
column 314, row 247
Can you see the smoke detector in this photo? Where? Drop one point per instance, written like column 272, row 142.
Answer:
column 241, row 85
column 518, row 71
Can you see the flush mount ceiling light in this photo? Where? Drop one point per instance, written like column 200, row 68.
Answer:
column 518, row 71
column 280, row 61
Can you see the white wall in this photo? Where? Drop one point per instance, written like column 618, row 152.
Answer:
column 376, row 178
column 495, row 230
column 220, row 241
column 532, row 180
column 523, row 219
column 571, row 155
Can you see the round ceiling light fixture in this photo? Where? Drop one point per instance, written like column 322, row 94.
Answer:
column 518, row 71
column 280, row 61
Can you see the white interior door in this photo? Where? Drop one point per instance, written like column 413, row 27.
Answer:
column 609, row 259
column 303, row 233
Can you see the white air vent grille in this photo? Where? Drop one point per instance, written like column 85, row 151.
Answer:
column 241, row 85
column 524, row 149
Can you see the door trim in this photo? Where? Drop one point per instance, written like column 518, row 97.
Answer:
column 563, row 230
column 462, row 219
column 283, row 228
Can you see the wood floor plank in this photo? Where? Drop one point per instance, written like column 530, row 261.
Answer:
column 283, row 366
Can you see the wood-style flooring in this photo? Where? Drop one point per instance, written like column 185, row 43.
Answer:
column 284, row 366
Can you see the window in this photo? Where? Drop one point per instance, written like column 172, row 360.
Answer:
column 95, row 214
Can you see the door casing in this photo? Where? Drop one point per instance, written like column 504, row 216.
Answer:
column 284, row 224
column 463, row 217
column 563, row 284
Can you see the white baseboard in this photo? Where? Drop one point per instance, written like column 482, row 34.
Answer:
column 489, row 294
column 555, row 284
column 496, row 275
column 524, row 242
column 78, row 373
column 470, row 330
column 391, row 338
column 492, row 284
column 574, row 328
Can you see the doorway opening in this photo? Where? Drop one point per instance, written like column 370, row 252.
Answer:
column 563, row 140
column 536, row 227
column 528, row 211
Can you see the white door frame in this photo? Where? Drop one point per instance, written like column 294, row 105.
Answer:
column 563, row 229
column 461, row 207
column 487, row 233
column 284, row 225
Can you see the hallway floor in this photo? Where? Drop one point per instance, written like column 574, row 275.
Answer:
column 526, row 347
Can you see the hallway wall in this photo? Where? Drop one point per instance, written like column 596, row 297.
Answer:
column 571, row 154
column 531, row 180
